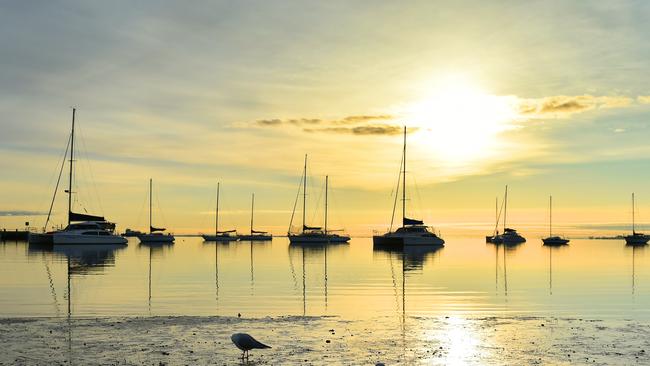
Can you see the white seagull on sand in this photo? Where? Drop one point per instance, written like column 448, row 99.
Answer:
column 246, row 343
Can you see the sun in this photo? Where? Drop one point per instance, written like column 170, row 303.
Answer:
column 460, row 123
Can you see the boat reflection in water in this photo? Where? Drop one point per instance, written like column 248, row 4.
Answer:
column 156, row 249
column 310, row 252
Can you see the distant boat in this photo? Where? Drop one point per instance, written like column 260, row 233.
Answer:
column 229, row 235
column 310, row 234
column 553, row 240
column 131, row 233
column 412, row 232
column 155, row 235
column 82, row 228
column 255, row 235
column 636, row 238
column 509, row 236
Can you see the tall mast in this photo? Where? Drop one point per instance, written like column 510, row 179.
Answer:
column 326, row 182
column 550, row 215
column 71, row 162
column 304, row 194
column 404, row 180
column 150, row 205
column 216, row 219
column 252, row 209
column 505, row 209
column 633, row 229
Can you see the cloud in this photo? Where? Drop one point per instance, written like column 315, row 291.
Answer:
column 269, row 122
column 363, row 130
column 564, row 105
column 349, row 120
column 363, row 119
column 643, row 99
column 22, row 213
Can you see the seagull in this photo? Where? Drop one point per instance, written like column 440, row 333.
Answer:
column 246, row 343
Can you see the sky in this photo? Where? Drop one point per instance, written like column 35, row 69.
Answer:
column 548, row 97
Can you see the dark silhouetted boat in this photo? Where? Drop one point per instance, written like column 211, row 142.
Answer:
column 553, row 240
column 509, row 236
column 155, row 234
column 636, row 238
column 255, row 235
column 228, row 235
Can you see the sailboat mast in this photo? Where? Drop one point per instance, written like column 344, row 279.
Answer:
column 404, row 180
column 252, row 209
column 304, row 194
column 326, row 183
column 550, row 215
column 216, row 216
column 633, row 228
column 71, row 169
column 150, row 204
column 505, row 209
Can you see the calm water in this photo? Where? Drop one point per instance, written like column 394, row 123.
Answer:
column 591, row 278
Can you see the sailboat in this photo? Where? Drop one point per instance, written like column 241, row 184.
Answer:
column 412, row 232
column 553, row 240
column 82, row 228
column 311, row 234
column 155, row 234
column 636, row 238
column 230, row 235
column 255, row 235
column 509, row 236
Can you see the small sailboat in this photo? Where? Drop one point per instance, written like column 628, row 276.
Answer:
column 509, row 236
column 229, row 235
column 310, row 234
column 412, row 232
column 82, row 228
column 553, row 240
column 155, row 234
column 255, row 235
column 636, row 238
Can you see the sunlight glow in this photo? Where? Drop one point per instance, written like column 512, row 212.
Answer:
column 461, row 123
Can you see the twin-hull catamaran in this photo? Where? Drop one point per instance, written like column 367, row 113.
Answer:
column 229, row 235
column 509, row 236
column 82, row 228
column 412, row 232
column 255, row 235
column 311, row 234
column 155, row 234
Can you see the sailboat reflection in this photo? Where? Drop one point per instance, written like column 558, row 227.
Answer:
column 217, row 245
column 551, row 249
column 508, row 250
column 156, row 250
column 634, row 248
column 309, row 251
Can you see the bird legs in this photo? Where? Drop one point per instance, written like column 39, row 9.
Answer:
column 244, row 356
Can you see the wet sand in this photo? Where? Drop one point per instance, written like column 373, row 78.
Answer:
column 324, row 340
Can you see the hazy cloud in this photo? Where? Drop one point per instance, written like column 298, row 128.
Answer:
column 22, row 213
column 643, row 99
column 363, row 130
column 564, row 105
column 349, row 120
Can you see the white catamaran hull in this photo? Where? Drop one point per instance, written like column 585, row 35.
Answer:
column 72, row 238
column 153, row 238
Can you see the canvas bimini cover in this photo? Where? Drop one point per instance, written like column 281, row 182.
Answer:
column 152, row 229
column 408, row 221
column 305, row 227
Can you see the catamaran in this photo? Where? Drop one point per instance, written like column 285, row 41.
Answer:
column 636, row 238
column 310, row 234
column 155, row 234
column 509, row 236
column 82, row 228
column 412, row 232
column 255, row 235
column 553, row 240
column 229, row 235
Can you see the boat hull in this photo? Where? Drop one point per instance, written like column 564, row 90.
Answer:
column 149, row 238
column 40, row 238
column 388, row 239
column 321, row 239
column 255, row 237
column 76, row 239
column 555, row 241
column 219, row 238
column 637, row 239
